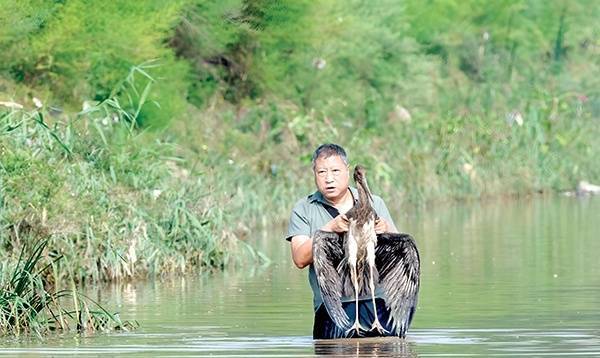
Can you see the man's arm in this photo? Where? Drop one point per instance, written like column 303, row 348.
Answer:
column 302, row 251
column 302, row 244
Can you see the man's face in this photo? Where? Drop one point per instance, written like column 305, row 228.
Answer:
column 331, row 177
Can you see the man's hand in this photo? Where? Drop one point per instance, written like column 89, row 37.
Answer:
column 382, row 226
column 339, row 224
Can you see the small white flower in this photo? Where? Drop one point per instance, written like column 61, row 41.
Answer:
column 469, row 170
column 156, row 193
column 400, row 113
column 87, row 105
column 37, row 102
column 105, row 121
column 230, row 161
column 514, row 117
column 319, row 63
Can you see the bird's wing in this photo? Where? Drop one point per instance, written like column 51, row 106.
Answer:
column 397, row 262
column 328, row 256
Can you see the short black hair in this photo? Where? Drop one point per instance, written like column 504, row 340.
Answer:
column 327, row 150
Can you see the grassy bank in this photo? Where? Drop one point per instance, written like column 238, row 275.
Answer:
column 146, row 144
column 115, row 202
column 424, row 159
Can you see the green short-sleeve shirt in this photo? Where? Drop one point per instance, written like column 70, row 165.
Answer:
column 309, row 215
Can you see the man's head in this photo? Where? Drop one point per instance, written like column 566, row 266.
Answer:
column 330, row 167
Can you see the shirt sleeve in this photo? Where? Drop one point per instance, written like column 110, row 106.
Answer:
column 298, row 224
column 383, row 212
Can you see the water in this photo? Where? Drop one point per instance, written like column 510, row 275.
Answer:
column 501, row 278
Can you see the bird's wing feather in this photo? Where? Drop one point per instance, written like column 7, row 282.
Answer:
column 328, row 255
column 397, row 262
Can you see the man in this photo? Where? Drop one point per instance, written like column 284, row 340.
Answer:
column 325, row 210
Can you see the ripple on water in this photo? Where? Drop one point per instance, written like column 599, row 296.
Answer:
column 420, row 343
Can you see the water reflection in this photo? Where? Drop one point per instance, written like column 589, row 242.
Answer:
column 365, row 347
column 203, row 341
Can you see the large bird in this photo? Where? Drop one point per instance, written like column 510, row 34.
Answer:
column 360, row 262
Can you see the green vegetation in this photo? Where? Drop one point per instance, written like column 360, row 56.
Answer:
column 439, row 99
column 162, row 132
column 28, row 303
column 114, row 202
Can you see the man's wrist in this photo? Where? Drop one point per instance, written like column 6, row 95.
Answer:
column 327, row 227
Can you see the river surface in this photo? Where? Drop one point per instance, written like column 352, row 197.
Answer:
column 518, row 277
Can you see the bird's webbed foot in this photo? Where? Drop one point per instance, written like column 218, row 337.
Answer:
column 377, row 326
column 356, row 326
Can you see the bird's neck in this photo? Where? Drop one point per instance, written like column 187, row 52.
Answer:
column 364, row 193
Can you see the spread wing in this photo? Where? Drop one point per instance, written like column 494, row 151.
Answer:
column 397, row 262
column 328, row 256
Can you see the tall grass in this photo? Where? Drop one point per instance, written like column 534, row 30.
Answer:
column 547, row 146
column 117, row 202
column 30, row 302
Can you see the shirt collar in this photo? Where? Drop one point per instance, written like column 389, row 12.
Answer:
column 318, row 197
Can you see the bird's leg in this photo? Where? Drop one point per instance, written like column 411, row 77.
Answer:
column 371, row 260
column 352, row 260
column 354, row 275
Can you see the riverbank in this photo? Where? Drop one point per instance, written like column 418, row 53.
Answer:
column 120, row 203
column 117, row 203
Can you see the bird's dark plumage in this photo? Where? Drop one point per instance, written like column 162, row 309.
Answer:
column 345, row 266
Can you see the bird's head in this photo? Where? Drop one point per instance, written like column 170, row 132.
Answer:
column 360, row 174
column 360, row 177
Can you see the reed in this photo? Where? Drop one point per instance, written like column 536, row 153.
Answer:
column 117, row 201
column 29, row 302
